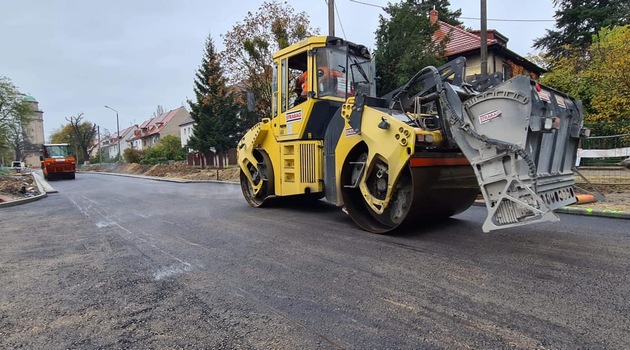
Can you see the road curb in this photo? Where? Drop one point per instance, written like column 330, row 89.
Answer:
column 615, row 214
column 42, row 194
column 164, row 179
column 44, row 185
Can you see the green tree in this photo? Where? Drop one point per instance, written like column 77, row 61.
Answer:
column 214, row 110
column 443, row 8
column 404, row 45
column 133, row 155
column 172, row 148
column 250, row 44
column 15, row 114
column 78, row 133
column 62, row 135
column 602, row 82
column 169, row 148
column 609, row 70
column 16, row 138
column 579, row 21
column 12, row 104
column 568, row 77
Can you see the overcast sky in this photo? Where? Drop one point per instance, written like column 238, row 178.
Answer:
column 79, row 55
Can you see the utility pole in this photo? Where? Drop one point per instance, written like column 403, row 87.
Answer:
column 331, row 17
column 484, row 39
column 117, row 131
column 100, row 154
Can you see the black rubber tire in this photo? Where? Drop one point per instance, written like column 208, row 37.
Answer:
column 267, row 189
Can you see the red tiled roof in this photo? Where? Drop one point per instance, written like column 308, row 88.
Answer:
column 154, row 125
column 460, row 39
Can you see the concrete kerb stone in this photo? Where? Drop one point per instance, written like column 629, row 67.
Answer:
column 43, row 184
column 615, row 214
column 40, row 188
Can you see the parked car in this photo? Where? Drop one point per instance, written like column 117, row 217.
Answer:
column 18, row 166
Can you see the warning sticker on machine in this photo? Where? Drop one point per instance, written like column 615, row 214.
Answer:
column 544, row 95
column 561, row 102
column 484, row 118
column 294, row 116
column 351, row 132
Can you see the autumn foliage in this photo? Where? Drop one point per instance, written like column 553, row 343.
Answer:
column 600, row 78
column 250, row 44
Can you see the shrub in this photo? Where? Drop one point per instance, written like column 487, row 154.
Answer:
column 133, row 155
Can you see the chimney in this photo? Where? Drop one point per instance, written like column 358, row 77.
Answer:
column 433, row 16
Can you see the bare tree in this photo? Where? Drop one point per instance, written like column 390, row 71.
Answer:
column 158, row 111
column 84, row 132
column 16, row 136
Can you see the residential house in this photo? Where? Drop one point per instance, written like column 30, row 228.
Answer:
column 468, row 44
column 186, row 131
column 109, row 144
column 148, row 133
column 109, row 149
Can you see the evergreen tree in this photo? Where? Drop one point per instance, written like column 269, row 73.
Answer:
column 215, row 110
column 578, row 21
column 442, row 7
column 405, row 44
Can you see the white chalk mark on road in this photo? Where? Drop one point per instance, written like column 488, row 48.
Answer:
column 172, row 270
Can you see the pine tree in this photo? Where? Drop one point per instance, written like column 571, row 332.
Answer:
column 442, row 7
column 579, row 21
column 215, row 110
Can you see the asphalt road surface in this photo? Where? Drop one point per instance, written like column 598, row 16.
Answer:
column 116, row 262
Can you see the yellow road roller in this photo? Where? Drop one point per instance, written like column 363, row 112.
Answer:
column 424, row 151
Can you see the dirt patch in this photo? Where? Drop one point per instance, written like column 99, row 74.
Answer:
column 617, row 197
column 13, row 187
column 176, row 170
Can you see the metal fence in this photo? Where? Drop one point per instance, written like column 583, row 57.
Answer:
column 601, row 154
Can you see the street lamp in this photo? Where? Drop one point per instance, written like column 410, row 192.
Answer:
column 117, row 130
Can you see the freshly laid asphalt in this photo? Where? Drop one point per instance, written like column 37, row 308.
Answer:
column 46, row 188
column 120, row 262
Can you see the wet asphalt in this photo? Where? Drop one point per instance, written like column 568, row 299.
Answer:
column 117, row 262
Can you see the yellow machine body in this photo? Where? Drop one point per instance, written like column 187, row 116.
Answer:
column 396, row 160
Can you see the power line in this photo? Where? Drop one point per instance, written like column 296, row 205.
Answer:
column 512, row 20
column 365, row 3
column 477, row 18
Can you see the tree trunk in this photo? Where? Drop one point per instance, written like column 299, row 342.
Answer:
column 86, row 155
